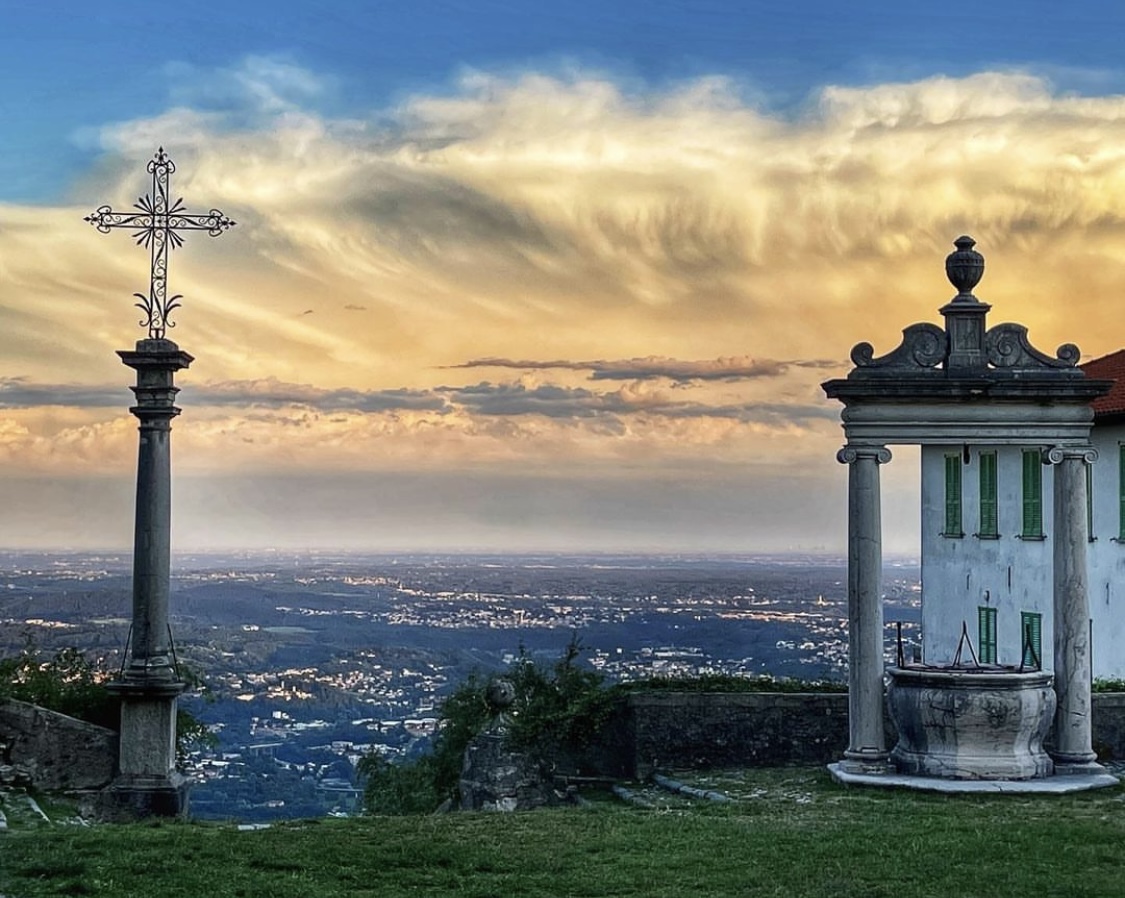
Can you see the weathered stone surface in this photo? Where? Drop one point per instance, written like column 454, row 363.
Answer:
column 496, row 778
column 51, row 752
column 971, row 724
column 692, row 729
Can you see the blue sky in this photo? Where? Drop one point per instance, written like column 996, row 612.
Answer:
column 69, row 68
column 518, row 275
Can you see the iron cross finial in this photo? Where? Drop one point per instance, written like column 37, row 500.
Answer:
column 156, row 224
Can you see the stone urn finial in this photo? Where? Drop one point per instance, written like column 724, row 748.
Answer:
column 964, row 268
column 499, row 696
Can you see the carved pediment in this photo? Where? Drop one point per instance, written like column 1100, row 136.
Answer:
column 1008, row 347
column 924, row 345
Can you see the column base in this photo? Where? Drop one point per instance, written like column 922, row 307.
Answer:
column 866, row 762
column 1077, row 765
column 131, row 798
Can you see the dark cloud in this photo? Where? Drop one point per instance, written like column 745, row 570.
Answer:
column 483, row 399
column 547, row 400
column 656, row 367
column 18, row 392
column 271, row 393
column 553, row 401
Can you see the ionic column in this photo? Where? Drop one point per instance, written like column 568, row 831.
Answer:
column 867, row 750
column 1073, row 752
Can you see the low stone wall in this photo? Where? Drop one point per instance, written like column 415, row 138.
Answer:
column 1108, row 710
column 51, row 752
column 664, row 730
column 735, row 729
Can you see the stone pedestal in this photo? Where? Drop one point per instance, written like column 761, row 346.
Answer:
column 867, row 748
column 147, row 783
column 496, row 778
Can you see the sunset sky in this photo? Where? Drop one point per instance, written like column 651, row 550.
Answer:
column 524, row 276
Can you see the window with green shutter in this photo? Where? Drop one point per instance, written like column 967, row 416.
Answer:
column 1031, row 639
column 953, row 496
column 986, row 634
column 1032, row 495
column 989, row 516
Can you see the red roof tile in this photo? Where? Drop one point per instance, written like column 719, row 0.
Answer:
column 1108, row 367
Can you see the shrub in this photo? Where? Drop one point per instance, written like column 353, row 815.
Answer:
column 72, row 684
column 556, row 713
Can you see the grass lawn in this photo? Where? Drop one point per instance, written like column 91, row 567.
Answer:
column 789, row 833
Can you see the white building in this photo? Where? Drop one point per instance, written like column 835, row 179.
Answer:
column 1007, row 439
column 987, row 560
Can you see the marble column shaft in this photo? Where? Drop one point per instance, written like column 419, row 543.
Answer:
column 1073, row 734
column 866, row 740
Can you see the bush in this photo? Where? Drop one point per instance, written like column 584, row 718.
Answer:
column 72, row 684
column 68, row 683
column 555, row 715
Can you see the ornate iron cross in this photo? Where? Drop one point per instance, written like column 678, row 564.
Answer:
column 156, row 224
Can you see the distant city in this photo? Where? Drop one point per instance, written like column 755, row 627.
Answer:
column 313, row 660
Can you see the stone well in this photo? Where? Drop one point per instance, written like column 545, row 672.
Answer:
column 985, row 723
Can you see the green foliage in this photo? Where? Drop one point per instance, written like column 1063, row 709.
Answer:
column 555, row 715
column 1108, row 684
column 558, row 712
column 397, row 789
column 70, row 683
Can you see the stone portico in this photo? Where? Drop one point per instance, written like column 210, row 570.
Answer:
column 961, row 385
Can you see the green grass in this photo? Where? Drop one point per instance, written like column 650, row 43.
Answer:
column 791, row 833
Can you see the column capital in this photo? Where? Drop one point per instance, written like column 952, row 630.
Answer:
column 1057, row 454
column 851, row 454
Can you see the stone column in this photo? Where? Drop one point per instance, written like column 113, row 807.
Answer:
column 1073, row 752
column 147, row 782
column 867, row 749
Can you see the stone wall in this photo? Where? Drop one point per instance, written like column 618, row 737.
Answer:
column 51, row 752
column 738, row 729
column 665, row 730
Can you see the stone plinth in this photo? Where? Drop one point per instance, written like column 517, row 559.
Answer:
column 986, row 724
column 497, row 778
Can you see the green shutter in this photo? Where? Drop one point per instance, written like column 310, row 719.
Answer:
column 953, row 496
column 1031, row 639
column 986, row 634
column 989, row 520
column 1032, row 494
